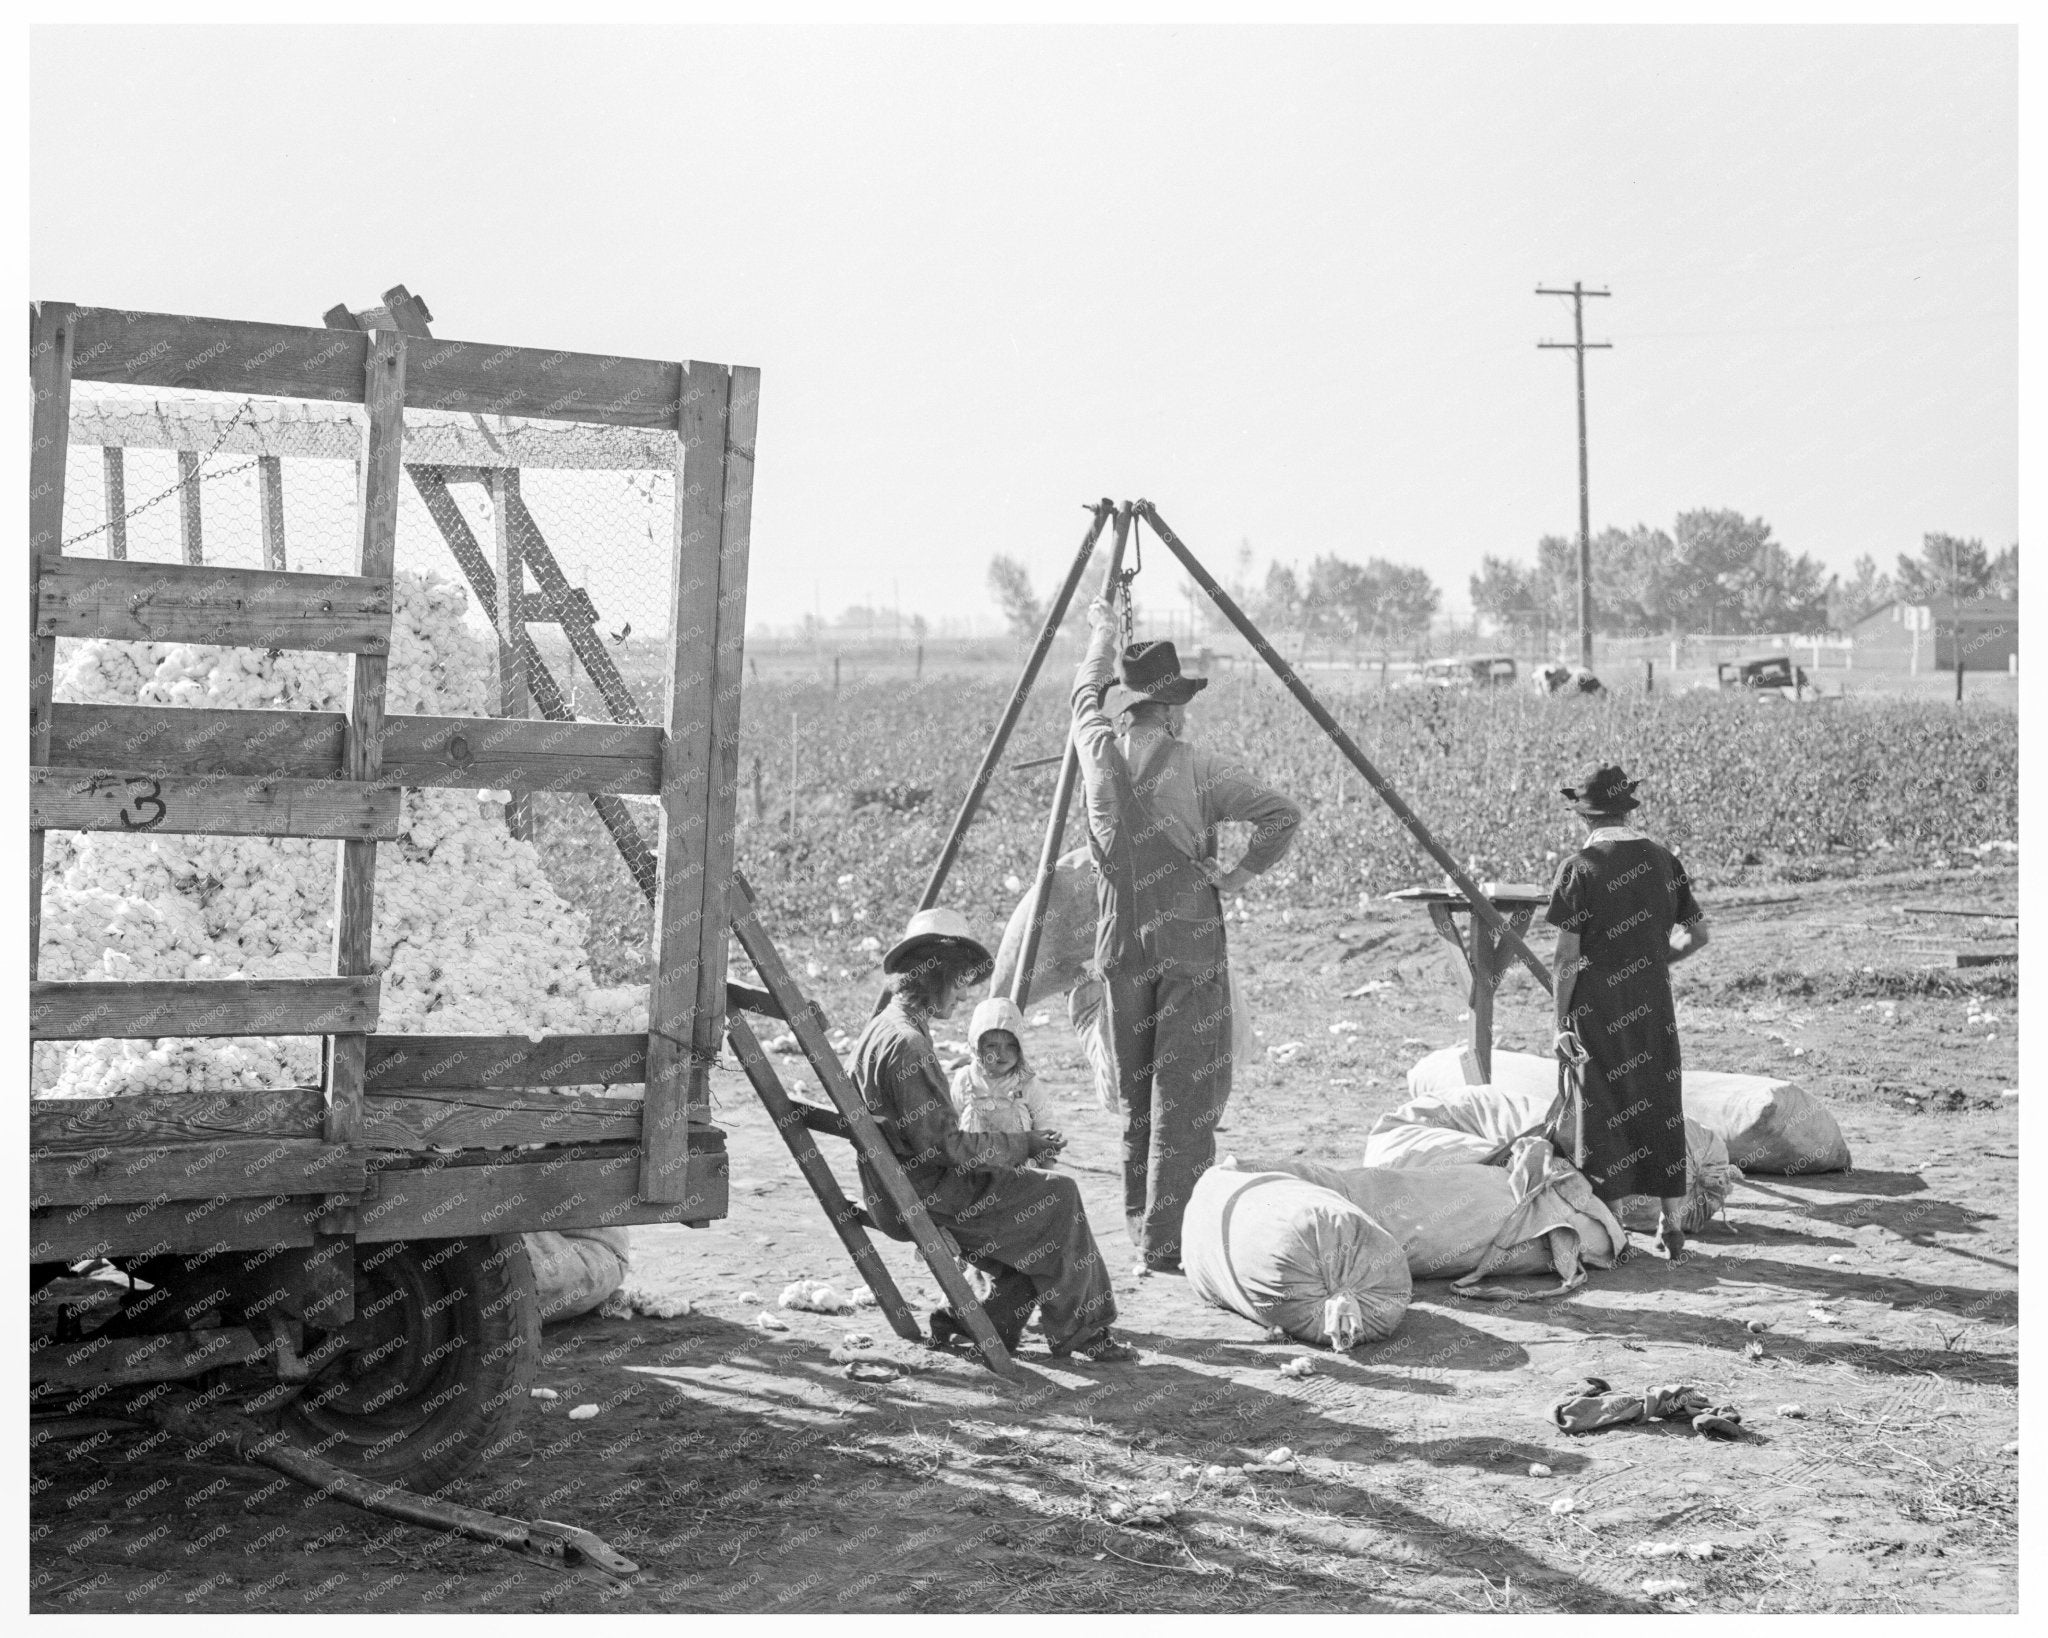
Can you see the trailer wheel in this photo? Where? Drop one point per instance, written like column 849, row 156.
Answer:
column 434, row 1368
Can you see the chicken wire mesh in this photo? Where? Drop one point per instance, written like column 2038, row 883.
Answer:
column 252, row 483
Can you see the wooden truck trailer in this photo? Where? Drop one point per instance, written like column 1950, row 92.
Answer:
column 347, row 1257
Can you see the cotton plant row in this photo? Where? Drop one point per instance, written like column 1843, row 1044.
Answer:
column 469, row 936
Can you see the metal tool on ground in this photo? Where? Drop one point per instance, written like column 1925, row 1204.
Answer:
column 208, row 1427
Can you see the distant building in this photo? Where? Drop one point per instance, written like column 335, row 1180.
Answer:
column 1923, row 637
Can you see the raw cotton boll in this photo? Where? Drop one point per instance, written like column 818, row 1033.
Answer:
column 470, row 936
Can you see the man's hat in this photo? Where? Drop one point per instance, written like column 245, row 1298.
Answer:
column 930, row 931
column 1602, row 789
column 1150, row 671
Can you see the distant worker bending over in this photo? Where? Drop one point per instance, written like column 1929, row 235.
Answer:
column 1154, row 802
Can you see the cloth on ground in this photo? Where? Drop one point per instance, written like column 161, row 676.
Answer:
column 1768, row 1125
column 575, row 1270
column 1283, row 1252
column 1471, row 1123
column 1594, row 1404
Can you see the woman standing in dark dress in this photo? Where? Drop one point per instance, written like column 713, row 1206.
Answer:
column 1624, row 911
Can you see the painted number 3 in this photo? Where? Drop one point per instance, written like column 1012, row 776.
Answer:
column 142, row 818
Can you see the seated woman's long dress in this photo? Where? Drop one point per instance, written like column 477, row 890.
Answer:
column 1027, row 1228
column 1622, row 894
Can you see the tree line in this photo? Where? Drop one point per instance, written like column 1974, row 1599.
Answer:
column 1718, row 571
column 1714, row 571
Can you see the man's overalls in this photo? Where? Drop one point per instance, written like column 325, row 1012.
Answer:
column 1160, row 943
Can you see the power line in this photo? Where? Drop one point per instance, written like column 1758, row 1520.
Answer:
column 1578, row 345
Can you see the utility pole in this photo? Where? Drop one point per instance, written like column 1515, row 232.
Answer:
column 1578, row 344
column 1955, row 614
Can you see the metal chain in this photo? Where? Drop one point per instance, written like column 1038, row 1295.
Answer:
column 1126, row 622
column 234, row 421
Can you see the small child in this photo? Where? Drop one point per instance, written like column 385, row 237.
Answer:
column 996, row 1095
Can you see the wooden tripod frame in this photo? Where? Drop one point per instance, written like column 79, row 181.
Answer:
column 1506, row 935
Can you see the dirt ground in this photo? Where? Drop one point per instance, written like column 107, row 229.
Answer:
column 744, row 1471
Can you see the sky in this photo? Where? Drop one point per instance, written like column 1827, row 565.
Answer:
column 1278, row 281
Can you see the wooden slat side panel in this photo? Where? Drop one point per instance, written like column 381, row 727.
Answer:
column 526, row 381
column 52, row 336
column 355, row 891
column 218, row 1223
column 674, row 1060
column 220, row 355
column 729, row 673
column 456, row 752
column 233, row 608
column 270, row 485
column 529, row 1196
column 399, row 1210
column 210, row 805
column 171, row 740
column 152, row 1009
column 73, row 1124
column 512, row 1062
column 515, row 695
column 191, row 537
column 239, row 1168
column 291, row 361
column 447, row 753
column 273, row 429
column 480, row 1120
column 114, row 476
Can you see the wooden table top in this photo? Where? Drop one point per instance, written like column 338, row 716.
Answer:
column 1511, row 895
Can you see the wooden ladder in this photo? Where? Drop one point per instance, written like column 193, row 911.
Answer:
column 797, row 1120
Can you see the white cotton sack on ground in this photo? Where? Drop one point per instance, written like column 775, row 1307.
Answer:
column 1467, row 1123
column 576, row 1270
column 1445, row 1217
column 1768, row 1125
column 1771, row 1126
column 1282, row 1252
column 1454, row 1124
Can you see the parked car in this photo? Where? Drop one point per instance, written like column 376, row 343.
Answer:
column 1469, row 671
column 1770, row 676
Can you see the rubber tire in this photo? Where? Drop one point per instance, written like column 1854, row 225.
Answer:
column 388, row 1411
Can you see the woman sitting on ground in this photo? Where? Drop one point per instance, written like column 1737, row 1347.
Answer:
column 1625, row 911
column 1025, row 1228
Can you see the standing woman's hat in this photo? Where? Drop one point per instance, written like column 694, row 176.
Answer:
column 1150, row 671
column 1602, row 789
column 930, row 931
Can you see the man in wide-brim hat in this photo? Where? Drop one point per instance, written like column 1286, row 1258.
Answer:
column 1153, row 803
